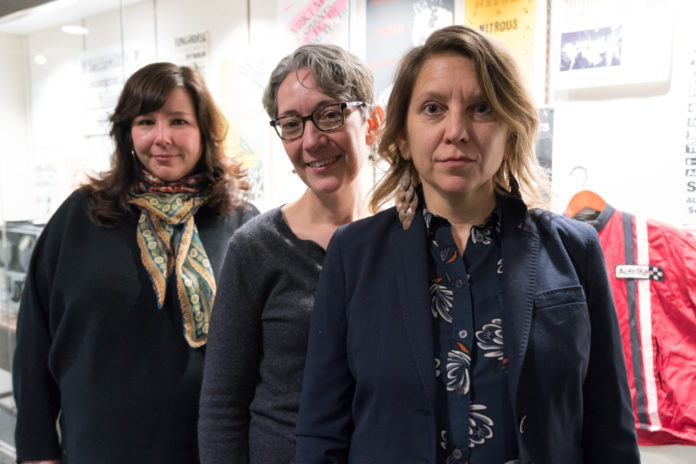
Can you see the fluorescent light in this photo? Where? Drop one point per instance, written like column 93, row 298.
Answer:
column 76, row 30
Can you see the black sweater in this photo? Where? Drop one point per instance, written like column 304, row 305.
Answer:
column 92, row 345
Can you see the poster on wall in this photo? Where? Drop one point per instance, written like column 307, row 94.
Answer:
column 313, row 21
column 610, row 42
column 104, row 72
column 193, row 50
column 512, row 22
column 393, row 28
column 690, row 145
column 242, row 83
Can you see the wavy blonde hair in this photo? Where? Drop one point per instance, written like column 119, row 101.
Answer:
column 520, row 174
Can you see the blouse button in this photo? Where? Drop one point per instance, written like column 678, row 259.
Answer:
column 458, row 283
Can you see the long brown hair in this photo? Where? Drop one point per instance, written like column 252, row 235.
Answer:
column 520, row 173
column 146, row 91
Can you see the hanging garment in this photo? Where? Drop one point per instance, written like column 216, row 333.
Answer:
column 652, row 269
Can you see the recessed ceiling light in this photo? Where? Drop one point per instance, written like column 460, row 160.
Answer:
column 76, row 30
column 40, row 59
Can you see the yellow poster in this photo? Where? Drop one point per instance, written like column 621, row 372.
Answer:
column 512, row 22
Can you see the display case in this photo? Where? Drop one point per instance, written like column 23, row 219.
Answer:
column 18, row 241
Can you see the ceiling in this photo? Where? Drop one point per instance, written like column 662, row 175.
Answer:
column 12, row 6
column 27, row 16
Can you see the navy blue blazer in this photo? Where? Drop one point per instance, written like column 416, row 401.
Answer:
column 369, row 386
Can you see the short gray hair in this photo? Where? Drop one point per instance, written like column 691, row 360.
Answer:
column 338, row 73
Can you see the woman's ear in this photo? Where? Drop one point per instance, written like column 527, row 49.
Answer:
column 404, row 148
column 374, row 124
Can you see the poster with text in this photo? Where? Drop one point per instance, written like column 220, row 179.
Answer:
column 243, row 80
column 610, row 42
column 690, row 144
column 393, row 28
column 104, row 71
column 312, row 21
column 512, row 22
column 193, row 50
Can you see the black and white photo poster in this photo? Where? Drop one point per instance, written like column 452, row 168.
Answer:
column 610, row 42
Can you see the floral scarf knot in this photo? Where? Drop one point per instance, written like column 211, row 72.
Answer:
column 168, row 240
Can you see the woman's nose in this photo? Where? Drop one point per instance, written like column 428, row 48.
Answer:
column 312, row 136
column 162, row 135
column 457, row 129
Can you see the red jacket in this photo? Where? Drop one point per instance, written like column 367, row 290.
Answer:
column 652, row 269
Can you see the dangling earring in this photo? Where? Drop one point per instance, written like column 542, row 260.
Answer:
column 133, row 154
column 406, row 200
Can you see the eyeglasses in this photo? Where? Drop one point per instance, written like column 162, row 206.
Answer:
column 325, row 118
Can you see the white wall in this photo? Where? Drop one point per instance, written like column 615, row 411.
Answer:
column 15, row 158
column 630, row 139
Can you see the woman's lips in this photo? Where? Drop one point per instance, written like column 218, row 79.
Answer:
column 162, row 157
column 455, row 161
column 324, row 162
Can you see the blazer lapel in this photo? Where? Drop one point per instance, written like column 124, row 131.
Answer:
column 520, row 253
column 409, row 254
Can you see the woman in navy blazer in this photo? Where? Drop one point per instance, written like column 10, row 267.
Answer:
column 468, row 324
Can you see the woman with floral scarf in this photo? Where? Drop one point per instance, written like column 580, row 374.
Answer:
column 114, row 317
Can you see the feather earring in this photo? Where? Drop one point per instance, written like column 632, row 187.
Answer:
column 406, row 200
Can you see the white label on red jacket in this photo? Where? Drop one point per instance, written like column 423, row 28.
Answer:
column 638, row 271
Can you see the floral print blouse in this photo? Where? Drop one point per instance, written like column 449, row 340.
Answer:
column 474, row 414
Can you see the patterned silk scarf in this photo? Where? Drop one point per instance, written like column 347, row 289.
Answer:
column 168, row 240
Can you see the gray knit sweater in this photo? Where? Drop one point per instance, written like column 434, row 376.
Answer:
column 257, row 343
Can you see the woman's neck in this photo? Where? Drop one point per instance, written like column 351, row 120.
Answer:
column 464, row 212
column 317, row 216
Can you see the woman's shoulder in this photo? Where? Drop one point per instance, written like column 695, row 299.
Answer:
column 262, row 226
column 567, row 229
column 73, row 208
column 68, row 225
column 240, row 215
column 382, row 220
column 371, row 229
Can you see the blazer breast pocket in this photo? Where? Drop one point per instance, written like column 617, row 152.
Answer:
column 560, row 337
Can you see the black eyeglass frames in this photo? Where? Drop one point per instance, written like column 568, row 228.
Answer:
column 325, row 118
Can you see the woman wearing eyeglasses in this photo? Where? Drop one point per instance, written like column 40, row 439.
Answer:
column 321, row 100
